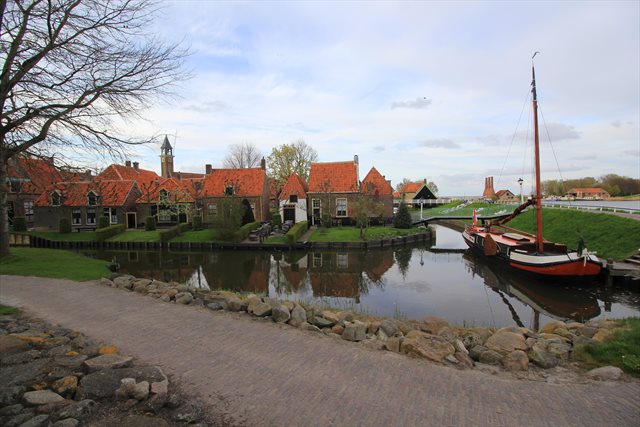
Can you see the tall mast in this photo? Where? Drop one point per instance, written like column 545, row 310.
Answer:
column 539, row 238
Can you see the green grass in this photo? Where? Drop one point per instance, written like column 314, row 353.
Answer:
column 136, row 236
column 6, row 310
column 52, row 263
column 352, row 234
column 85, row 236
column 611, row 236
column 277, row 239
column 623, row 350
column 199, row 236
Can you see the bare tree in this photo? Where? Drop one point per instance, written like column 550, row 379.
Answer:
column 287, row 158
column 241, row 156
column 72, row 70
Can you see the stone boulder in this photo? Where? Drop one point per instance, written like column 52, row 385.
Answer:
column 107, row 361
column 66, row 386
column 427, row 346
column 322, row 322
column 356, row 331
column 261, row 310
column 184, row 298
column 298, row 316
column 390, row 327
column 490, row 357
column 539, row 355
column 432, row 324
column 471, row 339
column 505, row 342
column 41, row 397
column 280, row 314
column 605, row 373
column 517, row 360
column 101, row 384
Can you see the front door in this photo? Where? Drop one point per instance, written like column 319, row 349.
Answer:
column 131, row 220
column 289, row 214
column 316, row 212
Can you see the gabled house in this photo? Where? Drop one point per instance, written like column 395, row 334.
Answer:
column 250, row 184
column 376, row 186
column 170, row 200
column 84, row 202
column 413, row 192
column 293, row 199
column 28, row 178
column 145, row 179
column 333, row 188
column 506, row 196
column 588, row 193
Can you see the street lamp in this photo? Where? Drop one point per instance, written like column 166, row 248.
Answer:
column 520, row 181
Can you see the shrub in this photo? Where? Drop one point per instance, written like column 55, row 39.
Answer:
column 244, row 231
column 64, row 226
column 247, row 214
column 197, row 223
column 276, row 220
column 326, row 220
column 103, row 222
column 104, row 233
column 19, row 224
column 184, row 226
column 402, row 218
column 150, row 223
column 296, row 232
column 170, row 233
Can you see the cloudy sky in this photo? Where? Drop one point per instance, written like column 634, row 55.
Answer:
column 434, row 90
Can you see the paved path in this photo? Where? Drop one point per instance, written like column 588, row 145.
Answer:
column 266, row 374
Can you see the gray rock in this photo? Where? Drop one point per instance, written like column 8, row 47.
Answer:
column 19, row 419
column 125, row 282
column 464, row 359
column 67, row 422
column 155, row 403
column 73, row 362
column 101, row 384
column 476, row 351
column 215, row 306
column 184, row 298
column 261, row 309
column 188, row 413
column 459, row 346
column 40, row 397
column 539, row 356
column 490, row 357
column 235, row 304
column 393, row 344
column 309, row 327
column 36, row 421
column 582, row 340
column 559, row 349
column 219, row 300
column 23, row 373
column 107, row 361
column 280, row 314
column 165, row 298
column 11, row 410
column 381, row 335
column 105, row 282
column 605, row 373
column 77, row 410
column 11, row 345
column 298, row 316
column 516, row 361
column 160, row 387
column 471, row 339
column 389, row 327
column 588, row 332
column 61, row 350
column 321, row 322
column 20, row 358
column 446, row 333
column 11, row 394
column 355, row 332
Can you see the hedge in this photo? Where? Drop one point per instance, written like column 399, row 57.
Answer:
column 19, row 224
column 244, row 231
column 276, row 219
column 104, row 233
column 150, row 223
column 64, row 226
column 104, row 222
column 197, row 223
column 296, row 232
column 170, row 233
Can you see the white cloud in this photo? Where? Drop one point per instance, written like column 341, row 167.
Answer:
column 418, row 103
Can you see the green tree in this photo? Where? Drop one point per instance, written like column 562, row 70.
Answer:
column 229, row 218
column 287, row 158
column 365, row 208
column 247, row 214
column 402, row 218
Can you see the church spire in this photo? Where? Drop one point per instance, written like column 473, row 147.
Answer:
column 166, row 158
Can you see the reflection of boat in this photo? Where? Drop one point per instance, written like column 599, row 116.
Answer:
column 526, row 252
column 561, row 303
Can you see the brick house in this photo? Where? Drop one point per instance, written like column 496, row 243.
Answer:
column 249, row 183
column 83, row 202
column 333, row 189
column 376, row 186
column 170, row 200
column 293, row 200
column 588, row 193
column 506, row 196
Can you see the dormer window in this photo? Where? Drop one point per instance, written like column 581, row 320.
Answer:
column 14, row 186
column 93, row 199
column 228, row 190
column 293, row 198
column 56, row 199
column 164, row 196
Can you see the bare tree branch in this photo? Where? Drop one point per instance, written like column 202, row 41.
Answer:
column 241, row 156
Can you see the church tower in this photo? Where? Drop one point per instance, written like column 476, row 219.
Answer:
column 166, row 158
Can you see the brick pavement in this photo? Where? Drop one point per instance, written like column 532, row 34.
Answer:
column 273, row 375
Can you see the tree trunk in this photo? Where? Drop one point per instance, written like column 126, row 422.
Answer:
column 4, row 218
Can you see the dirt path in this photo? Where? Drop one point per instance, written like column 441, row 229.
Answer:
column 266, row 374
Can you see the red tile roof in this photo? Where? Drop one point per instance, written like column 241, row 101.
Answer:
column 179, row 190
column 375, row 184
column 501, row 193
column 246, row 182
column 295, row 185
column 333, row 177
column 143, row 177
column 39, row 173
column 113, row 193
column 587, row 190
column 412, row 187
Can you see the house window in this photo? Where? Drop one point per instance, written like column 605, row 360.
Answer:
column 28, row 210
column 56, row 199
column 341, row 207
column 293, row 198
column 164, row 215
column 164, row 196
column 91, row 216
column 92, row 199
column 76, row 217
column 316, row 203
column 112, row 214
column 14, row 186
column 212, row 210
column 342, row 260
column 228, row 190
column 317, row 260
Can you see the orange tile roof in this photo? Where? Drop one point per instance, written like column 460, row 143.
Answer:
column 333, row 177
column 188, row 175
column 501, row 193
column 396, row 195
column 183, row 191
column 246, row 182
column 113, row 193
column 295, row 185
column 587, row 190
column 325, row 284
column 40, row 173
column 412, row 187
column 119, row 172
column 375, row 184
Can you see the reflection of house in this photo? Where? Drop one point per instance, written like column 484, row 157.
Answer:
column 377, row 264
column 588, row 193
column 333, row 188
column 375, row 186
column 83, row 202
column 335, row 274
column 250, row 184
column 293, row 199
column 506, row 196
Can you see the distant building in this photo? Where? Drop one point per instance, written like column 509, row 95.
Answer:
column 588, row 193
column 488, row 192
column 506, row 196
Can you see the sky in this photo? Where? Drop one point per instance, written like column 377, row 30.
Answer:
column 420, row 90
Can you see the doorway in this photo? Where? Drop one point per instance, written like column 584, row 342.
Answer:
column 131, row 220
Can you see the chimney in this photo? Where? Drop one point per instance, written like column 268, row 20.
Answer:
column 425, row 180
column 488, row 192
column 355, row 160
column 136, row 165
column 179, row 176
column 128, row 163
column 263, row 164
column 207, row 169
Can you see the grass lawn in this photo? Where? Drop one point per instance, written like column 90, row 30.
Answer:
column 199, row 236
column 52, row 263
column 136, row 236
column 6, row 310
column 352, row 234
column 623, row 350
column 482, row 209
column 85, row 236
column 277, row 239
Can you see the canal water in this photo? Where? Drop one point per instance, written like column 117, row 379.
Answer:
column 439, row 278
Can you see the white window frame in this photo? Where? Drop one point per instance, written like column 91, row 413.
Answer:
column 89, row 220
column 317, row 259
column 76, row 216
column 212, row 209
column 28, row 210
column 342, row 260
column 340, row 213
column 112, row 214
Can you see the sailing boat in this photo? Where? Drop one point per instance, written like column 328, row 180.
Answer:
column 527, row 252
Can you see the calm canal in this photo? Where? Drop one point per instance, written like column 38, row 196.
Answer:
column 410, row 282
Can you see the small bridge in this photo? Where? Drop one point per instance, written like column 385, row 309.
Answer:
column 427, row 220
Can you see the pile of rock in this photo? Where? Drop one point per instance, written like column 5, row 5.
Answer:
column 50, row 376
column 512, row 348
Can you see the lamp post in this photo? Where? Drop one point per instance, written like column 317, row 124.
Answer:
column 520, row 181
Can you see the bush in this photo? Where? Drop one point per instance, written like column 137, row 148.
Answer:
column 296, row 232
column 276, row 220
column 244, row 231
column 402, row 218
column 19, row 224
column 197, row 223
column 64, row 226
column 170, row 233
column 103, row 222
column 104, row 233
column 247, row 212
column 326, row 220
column 150, row 223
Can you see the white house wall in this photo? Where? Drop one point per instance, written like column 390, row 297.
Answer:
column 301, row 209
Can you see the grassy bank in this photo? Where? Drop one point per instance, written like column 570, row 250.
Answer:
column 622, row 350
column 6, row 310
column 352, row 234
column 52, row 263
column 86, row 236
